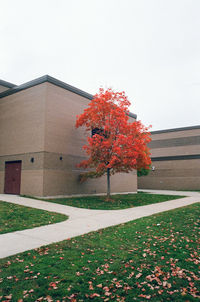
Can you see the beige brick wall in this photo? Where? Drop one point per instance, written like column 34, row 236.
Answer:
column 172, row 182
column 62, row 139
column 2, row 175
column 174, row 174
column 32, row 182
column 175, row 134
column 31, row 173
column 22, row 136
column 26, row 160
column 174, row 151
column 22, row 121
column 39, row 122
column 62, row 107
column 62, row 182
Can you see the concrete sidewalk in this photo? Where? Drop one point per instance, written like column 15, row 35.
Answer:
column 81, row 221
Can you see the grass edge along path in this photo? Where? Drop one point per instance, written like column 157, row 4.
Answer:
column 119, row 201
column 15, row 217
column 152, row 258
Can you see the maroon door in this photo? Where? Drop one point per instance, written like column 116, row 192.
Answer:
column 12, row 177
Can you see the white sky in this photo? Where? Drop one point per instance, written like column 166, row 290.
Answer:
column 148, row 48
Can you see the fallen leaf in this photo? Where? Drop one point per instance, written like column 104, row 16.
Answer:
column 138, row 275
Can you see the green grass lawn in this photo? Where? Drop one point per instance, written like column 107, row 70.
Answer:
column 154, row 258
column 15, row 217
column 191, row 190
column 120, row 201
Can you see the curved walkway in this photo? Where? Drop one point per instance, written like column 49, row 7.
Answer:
column 81, row 221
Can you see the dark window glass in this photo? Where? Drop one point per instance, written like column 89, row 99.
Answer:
column 97, row 131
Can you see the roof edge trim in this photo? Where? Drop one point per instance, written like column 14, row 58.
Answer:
column 176, row 129
column 176, row 157
column 6, row 84
column 54, row 81
column 41, row 80
column 132, row 115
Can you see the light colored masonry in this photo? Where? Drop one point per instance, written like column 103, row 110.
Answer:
column 37, row 128
column 175, row 160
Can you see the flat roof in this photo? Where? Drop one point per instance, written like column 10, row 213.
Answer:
column 46, row 78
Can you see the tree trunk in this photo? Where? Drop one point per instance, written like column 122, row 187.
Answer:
column 108, row 183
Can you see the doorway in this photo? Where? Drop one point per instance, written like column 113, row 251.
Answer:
column 12, row 177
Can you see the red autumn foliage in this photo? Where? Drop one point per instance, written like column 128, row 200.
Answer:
column 119, row 144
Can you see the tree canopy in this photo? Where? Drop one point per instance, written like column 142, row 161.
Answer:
column 117, row 144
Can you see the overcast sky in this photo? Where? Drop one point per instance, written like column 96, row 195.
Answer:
column 148, row 48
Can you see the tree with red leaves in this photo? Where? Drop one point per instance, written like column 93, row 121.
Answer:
column 116, row 144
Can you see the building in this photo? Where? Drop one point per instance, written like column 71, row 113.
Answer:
column 39, row 144
column 175, row 160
